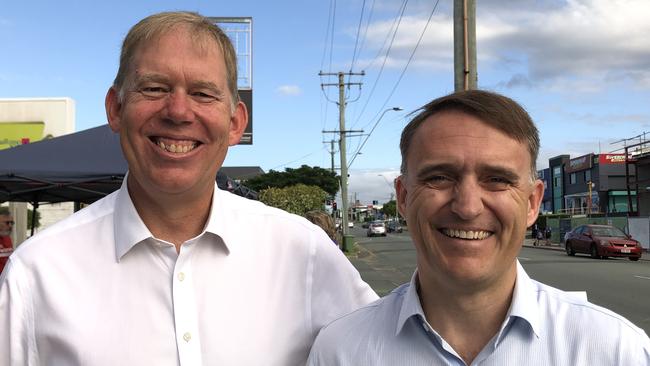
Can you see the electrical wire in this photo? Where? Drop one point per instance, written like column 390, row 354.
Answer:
column 426, row 26
column 381, row 70
column 356, row 41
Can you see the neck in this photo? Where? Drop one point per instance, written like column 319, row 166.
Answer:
column 174, row 218
column 469, row 318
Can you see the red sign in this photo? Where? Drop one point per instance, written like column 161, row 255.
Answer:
column 613, row 159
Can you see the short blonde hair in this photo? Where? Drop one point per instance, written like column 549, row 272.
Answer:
column 155, row 26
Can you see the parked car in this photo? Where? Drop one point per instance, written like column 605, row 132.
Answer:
column 365, row 224
column 376, row 228
column 394, row 227
column 350, row 223
column 602, row 241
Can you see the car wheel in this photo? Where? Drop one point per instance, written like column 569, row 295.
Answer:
column 569, row 249
column 594, row 252
column 634, row 259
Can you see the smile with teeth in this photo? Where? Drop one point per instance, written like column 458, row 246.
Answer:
column 466, row 234
column 176, row 146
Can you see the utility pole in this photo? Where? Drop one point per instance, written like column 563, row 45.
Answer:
column 331, row 151
column 342, row 148
column 465, row 45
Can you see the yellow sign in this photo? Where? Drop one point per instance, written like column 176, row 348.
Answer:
column 20, row 133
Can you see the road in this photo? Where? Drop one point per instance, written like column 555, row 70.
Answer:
column 618, row 284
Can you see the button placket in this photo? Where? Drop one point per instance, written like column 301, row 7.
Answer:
column 184, row 303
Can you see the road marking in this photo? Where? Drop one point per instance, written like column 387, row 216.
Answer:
column 643, row 277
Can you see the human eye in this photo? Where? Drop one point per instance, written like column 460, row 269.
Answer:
column 204, row 96
column 437, row 180
column 153, row 91
column 498, row 183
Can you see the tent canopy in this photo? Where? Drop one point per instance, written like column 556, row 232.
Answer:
column 80, row 167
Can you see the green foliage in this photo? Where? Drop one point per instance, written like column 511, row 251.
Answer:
column 390, row 208
column 29, row 219
column 327, row 180
column 297, row 199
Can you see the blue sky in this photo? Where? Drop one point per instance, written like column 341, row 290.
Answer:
column 580, row 67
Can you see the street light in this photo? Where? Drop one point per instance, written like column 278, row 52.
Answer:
column 371, row 130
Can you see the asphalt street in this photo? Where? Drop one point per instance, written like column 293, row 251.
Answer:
column 618, row 284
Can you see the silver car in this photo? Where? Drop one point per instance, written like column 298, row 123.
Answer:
column 376, row 228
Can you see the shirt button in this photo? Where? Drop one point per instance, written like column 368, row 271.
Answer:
column 187, row 336
column 181, row 276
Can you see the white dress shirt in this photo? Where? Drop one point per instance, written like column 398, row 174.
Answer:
column 253, row 288
column 544, row 326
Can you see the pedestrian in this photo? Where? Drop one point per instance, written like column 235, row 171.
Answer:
column 468, row 190
column 539, row 237
column 6, row 245
column 169, row 269
column 547, row 235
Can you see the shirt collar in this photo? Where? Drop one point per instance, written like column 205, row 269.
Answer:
column 524, row 302
column 129, row 229
column 410, row 304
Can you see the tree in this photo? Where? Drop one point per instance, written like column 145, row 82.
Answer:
column 327, row 180
column 390, row 208
column 297, row 199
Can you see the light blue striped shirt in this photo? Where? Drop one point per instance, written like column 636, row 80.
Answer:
column 544, row 326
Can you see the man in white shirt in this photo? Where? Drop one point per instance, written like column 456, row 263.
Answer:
column 170, row 270
column 468, row 191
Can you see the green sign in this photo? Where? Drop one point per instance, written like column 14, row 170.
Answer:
column 20, row 133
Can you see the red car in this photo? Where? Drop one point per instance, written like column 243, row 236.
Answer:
column 602, row 241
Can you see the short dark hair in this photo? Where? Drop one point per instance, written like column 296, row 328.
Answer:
column 494, row 109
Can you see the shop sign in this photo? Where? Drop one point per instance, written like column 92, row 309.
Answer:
column 20, row 133
column 579, row 163
column 613, row 159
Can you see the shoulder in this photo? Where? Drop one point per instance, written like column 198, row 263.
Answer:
column 364, row 328
column 65, row 232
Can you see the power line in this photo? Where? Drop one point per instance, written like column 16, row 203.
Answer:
column 381, row 70
column 356, row 41
column 390, row 95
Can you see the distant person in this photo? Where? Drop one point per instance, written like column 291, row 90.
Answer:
column 468, row 191
column 547, row 235
column 170, row 270
column 325, row 222
column 6, row 245
column 539, row 237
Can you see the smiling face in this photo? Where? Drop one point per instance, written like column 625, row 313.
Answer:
column 6, row 224
column 468, row 197
column 176, row 118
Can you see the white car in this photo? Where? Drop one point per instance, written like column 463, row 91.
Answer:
column 376, row 228
column 350, row 224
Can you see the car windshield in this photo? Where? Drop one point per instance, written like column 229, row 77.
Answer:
column 611, row 232
column 377, row 225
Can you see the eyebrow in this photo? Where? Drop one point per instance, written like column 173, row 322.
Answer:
column 484, row 169
column 159, row 78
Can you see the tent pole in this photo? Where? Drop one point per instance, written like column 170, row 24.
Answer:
column 35, row 205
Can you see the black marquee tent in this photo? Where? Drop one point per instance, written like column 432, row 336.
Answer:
column 80, row 167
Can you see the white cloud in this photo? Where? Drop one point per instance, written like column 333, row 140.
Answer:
column 290, row 90
column 586, row 43
column 372, row 184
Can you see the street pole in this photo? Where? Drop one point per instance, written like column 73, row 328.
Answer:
column 344, row 160
column 465, row 77
column 342, row 150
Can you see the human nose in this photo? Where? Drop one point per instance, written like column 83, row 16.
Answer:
column 467, row 201
column 178, row 107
